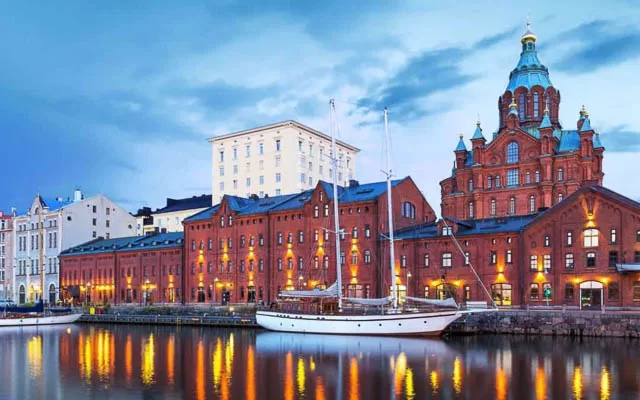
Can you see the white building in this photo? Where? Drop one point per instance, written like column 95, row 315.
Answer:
column 170, row 217
column 50, row 226
column 6, row 254
column 285, row 157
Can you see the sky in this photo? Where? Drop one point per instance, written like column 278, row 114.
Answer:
column 120, row 97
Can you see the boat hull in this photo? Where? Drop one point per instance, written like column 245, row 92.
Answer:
column 402, row 324
column 34, row 321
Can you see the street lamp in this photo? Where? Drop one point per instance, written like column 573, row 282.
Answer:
column 215, row 286
column 87, row 293
column 146, row 291
column 408, row 276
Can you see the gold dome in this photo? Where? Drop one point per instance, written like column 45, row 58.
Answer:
column 528, row 35
column 584, row 111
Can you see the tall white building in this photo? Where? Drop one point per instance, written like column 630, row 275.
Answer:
column 285, row 157
column 6, row 254
column 50, row 226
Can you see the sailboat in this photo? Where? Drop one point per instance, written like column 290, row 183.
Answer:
column 429, row 317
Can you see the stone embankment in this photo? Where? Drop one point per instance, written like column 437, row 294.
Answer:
column 549, row 322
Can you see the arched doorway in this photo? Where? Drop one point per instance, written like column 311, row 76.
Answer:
column 591, row 295
column 52, row 294
column 446, row 290
column 22, row 295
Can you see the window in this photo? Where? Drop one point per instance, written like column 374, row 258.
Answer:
column 470, row 185
column 614, row 292
column 446, row 231
column 613, row 258
column 367, row 256
column 221, row 171
column 277, row 161
column 467, row 258
column 247, row 151
column 533, row 263
column 277, row 144
column 354, row 232
column 527, row 177
column 498, row 181
column 235, row 153
column 279, row 238
column 613, row 236
column 302, row 178
column 590, row 238
column 636, row 257
column 568, row 292
column 289, row 263
column 403, row 261
column 425, row 263
column 367, row 231
column 509, row 257
column 290, row 237
column 494, row 257
column 326, row 210
column 536, row 105
column 569, row 238
column 300, row 237
column 248, row 182
column 537, row 176
column 300, row 145
column 512, row 153
column 513, row 177
column 534, row 292
column 492, row 210
column 591, row 260
column 532, row 204
column 408, row 210
column 638, row 236
column 546, row 262
column 512, row 206
column 279, row 264
column 568, row 261
column 278, row 177
column 342, row 258
column 354, row 257
column 636, row 291
column 546, row 291
column 521, row 107
column 470, row 210
column 501, row 294
column 261, row 148
column 325, row 262
column 547, row 241
column 446, row 260
column 489, row 182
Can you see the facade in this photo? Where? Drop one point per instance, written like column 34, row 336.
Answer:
column 51, row 225
column 583, row 253
column 129, row 270
column 248, row 250
column 170, row 217
column 531, row 162
column 286, row 157
column 6, row 254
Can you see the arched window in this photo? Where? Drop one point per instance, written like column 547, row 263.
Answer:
column 536, row 105
column 354, row 232
column 590, row 238
column 492, row 211
column 537, row 176
column 242, row 241
column 532, row 204
column 470, row 210
column 316, row 211
column 527, row 178
column 489, row 182
column 560, row 197
column 470, row 185
column 512, row 206
column 521, row 106
column 512, row 152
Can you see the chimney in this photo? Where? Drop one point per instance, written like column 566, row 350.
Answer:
column 77, row 196
column 353, row 183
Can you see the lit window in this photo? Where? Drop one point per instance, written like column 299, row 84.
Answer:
column 532, row 204
column 546, row 262
column 590, row 238
column 512, row 206
column 446, row 260
column 533, row 263
column 426, row 261
column 492, row 211
column 533, row 291
column 560, row 174
column 447, row 231
column 613, row 236
column 367, row 256
column 569, row 238
column 509, row 257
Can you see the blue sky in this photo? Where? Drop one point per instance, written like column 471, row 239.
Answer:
column 120, row 98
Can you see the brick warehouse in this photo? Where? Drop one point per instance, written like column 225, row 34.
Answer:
column 137, row 269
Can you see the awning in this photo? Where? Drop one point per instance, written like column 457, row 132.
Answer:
column 628, row 267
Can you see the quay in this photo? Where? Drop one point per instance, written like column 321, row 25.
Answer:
column 191, row 320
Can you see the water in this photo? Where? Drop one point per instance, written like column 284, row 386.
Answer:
column 141, row 362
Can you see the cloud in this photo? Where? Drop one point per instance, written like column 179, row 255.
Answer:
column 620, row 139
column 601, row 44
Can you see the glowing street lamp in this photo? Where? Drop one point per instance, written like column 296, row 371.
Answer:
column 146, row 291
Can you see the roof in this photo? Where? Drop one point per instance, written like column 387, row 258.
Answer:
column 295, row 201
column 529, row 72
column 569, row 140
column 100, row 245
column 546, row 122
column 283, row 124
column 586, row 125
column 55, row 204
column 189, row 203
column 477, row 134
column 461, row 146
column 468, row 227
column 596, row 141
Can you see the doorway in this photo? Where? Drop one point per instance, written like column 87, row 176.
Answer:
column 591, row 295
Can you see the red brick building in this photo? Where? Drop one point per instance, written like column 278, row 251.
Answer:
column 531, row 162
column 139, row 269
column 248, row 250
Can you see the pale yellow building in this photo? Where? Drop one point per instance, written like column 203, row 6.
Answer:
column 170, row 217
column 285, row 157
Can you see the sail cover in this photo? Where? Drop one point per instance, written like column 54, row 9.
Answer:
column 450, row 302
column 369, row 302
column 331, row 291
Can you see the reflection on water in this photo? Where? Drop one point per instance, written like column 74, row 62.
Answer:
column 192, row 363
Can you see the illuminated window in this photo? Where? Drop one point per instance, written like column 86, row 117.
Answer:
column 590, row 238
column 533, row 263
column 568, row 261
column 367, row 256
column 426, row 261
column 492, row 211
column 613, row 236
column 509, row 257
column 534, row 292
column 546, row 262
column 512, row 206
column 446, row 260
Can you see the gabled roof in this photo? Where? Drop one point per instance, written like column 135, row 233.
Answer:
column 282, row 125
column 461, row 146
column 477, row 134
column 189, row 203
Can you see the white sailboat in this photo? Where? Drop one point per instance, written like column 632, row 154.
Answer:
column 391, row 321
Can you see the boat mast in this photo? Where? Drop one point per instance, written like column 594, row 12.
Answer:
column 41, row 252
column 392, row 256
column 336, row 219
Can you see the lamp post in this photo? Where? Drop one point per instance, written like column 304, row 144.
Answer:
column 146, row 291
column 215, row 286
column 408, row 276
column 87, row 293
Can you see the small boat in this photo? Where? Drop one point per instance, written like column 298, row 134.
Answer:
column 322, row 312
column 35, row 315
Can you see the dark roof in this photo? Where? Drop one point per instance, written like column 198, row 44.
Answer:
column 189, row 203
column 351, row 194
column 101, row 245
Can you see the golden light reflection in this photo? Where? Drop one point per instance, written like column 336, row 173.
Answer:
column 541, row 384
column 605, row 384
column 434, row 381
column 250, row 392
column 320, row 389
column 577, row 383
column 171, row 348
column 457, row 375
column 147, row 371
column 312, row 364
column 200, row 373
column 87, row 357
column 228, row 354
column 217, row 365
column 289, row 391
column 300, row 376
column 354, row 382
column 410, row 391
column 501, row 384
column 128, row 358
column 34, row 356
column 400, row 370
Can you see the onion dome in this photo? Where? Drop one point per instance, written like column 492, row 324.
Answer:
column 584, row 114
column 513, row 108
column 529, row 72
